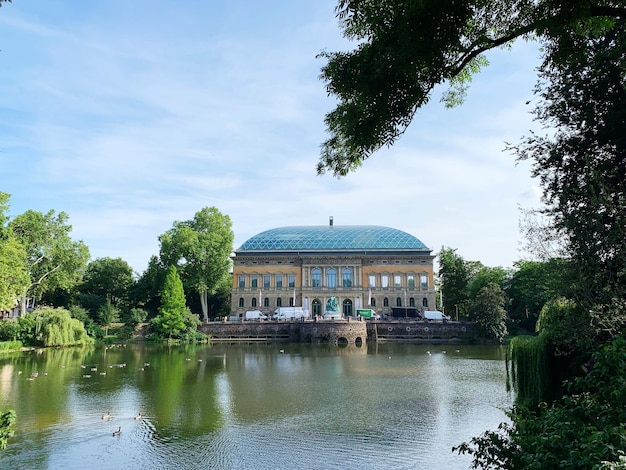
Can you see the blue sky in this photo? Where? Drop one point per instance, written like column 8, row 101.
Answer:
column 129, row 115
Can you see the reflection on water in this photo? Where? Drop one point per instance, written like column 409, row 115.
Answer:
column 251, row 406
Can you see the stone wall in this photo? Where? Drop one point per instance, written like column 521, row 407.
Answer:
column 342, row 331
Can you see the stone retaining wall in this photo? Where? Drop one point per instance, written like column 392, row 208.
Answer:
column 341, row 331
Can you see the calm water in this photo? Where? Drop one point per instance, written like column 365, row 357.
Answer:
column 251, row 406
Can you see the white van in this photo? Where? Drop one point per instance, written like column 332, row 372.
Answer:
column 255, row 315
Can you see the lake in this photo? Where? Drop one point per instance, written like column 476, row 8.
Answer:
column 251, row 406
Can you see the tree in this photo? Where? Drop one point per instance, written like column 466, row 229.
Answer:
column 7, row 420
column 110, row 278
column 488, row 311
column 107, row 314
column 171, row 318
column 455, row 276
column 14, row 278
column 200, row 249
column 52, row 258
column 405, row 49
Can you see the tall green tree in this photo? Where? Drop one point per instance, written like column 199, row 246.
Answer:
column 454, row 274
column 53, row 259
column 200, row 249
column 171, row 318
column 14, row 277
column 110, row 278
column 487, row 309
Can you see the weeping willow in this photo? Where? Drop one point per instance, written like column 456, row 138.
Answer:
column 530, row 370
column 55, row 327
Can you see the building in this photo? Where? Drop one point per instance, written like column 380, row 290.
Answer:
column 362, row 266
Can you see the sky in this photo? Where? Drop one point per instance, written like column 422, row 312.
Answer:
column 130, row 115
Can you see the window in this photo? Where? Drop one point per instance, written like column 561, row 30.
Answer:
column 385, row 302
column 332, row 278
column 411, row 302
column 291, row 301
column 424, row 302
column 346, row 280
column 384, row 281
column 410, row 281
column 316, row 278
column 373, row 302
column 242, row 282
column 254, row 301
column 241, row 302
column 398, row 302
column 279, row 281
column 372, row 280
column 254, row 281
column 291, row 280
column 397, row 281
column 347, row 308
column 279, row 302
column 424, row 281
column 266, row 282
column 266, row 302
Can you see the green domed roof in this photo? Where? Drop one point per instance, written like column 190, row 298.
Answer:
column 332, row 238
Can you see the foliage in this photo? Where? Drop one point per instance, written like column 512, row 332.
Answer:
column 134, row 317
column 404, row 49
column 454, row 273
column 566, row 326
column 171, row 318
column 110, row 278
column 489, row 313
column 147, row 290
column 52, row 258
column 585, row 429
column 7, row 420
column 529, row 367
column 14, row 277
column 10, row 345
column 55, row 327
column 200, row 249
column 534, row 283
column 582, row 97
column 107, row 314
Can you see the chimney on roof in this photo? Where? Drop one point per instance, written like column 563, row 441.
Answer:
column 330, row 222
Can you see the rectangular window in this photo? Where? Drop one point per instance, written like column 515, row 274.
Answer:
column 410, row 281
column 266, row 282
column 346, row 279
column 372, row 280
column 397, row 281
column 279, row 281
column 384, row 281
column 291, row 280
column 254, row 282
column 316, row 278
column 242, row 282
column 424, row 281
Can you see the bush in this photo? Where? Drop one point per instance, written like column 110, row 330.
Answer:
column 10, row 345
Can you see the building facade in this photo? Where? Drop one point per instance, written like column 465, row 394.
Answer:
column 362, row 266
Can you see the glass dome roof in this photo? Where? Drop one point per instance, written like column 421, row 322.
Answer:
column 332, row 237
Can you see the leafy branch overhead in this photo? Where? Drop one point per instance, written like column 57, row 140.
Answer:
column 404, row 49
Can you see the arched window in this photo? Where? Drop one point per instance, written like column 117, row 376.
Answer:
column 398, row 301
column 347, row 308
column 316, row 278
column 317, row 307
column 373, row 302
column 254, row 301
column 424, row 302
column 266, row 302
column 346, row 278
column 279, row 302
column 241, row 302
column 385, row 302
column 331, row 279
column 411, row 302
